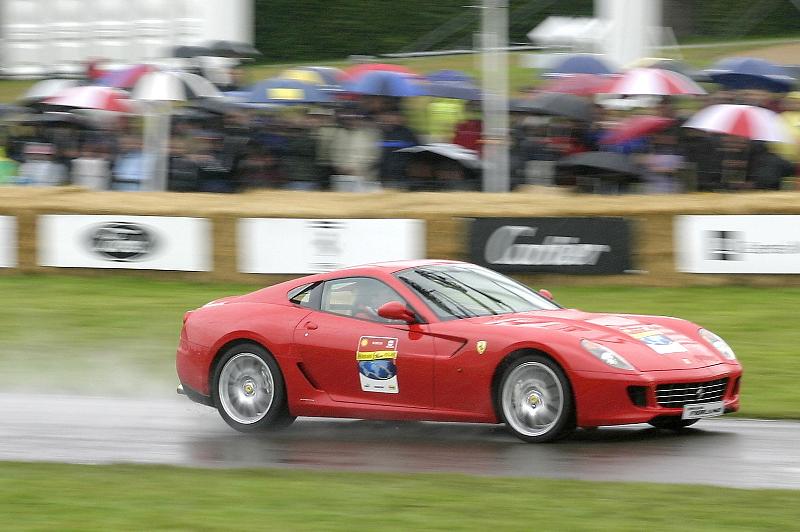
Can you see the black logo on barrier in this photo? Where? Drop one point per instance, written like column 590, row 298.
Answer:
column 724, row 245
column 122, row 241
column 558, row 245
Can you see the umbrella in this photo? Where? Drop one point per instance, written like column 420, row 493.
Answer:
column 552, row 103
column 316, row 75
column 49, row 118
column 190, row 52
column 604, row 161
column 449, row 75
column 568, row 64
column 47, row 88
column 233, row 49
column 124, row 78
column 92, row 97
column 173, row 86
column 580, row 84
column 287, row 92
column 458, row 90
column 674, row 65
column 750, row 73
column 382, row 83
column 654, row 82
column 466, row 157
column 635, row 127
column 748, row 121
column 356, row 71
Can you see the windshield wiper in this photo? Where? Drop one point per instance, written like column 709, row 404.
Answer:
column 428, row 294
column 451, row 282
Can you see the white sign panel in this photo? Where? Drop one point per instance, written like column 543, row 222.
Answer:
column 8, row 242
column 738, row 244
column 292, row 245
column 130, row 242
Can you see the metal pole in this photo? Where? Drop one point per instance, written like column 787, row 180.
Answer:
column 494, row 31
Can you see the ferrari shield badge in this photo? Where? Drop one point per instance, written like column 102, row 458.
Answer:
column 480, row 346
column 376, row 358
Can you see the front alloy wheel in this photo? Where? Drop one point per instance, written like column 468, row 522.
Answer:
column 536, row 400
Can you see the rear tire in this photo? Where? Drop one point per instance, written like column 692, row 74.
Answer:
column 672, row 423
column 249, row 391
column 535, row 400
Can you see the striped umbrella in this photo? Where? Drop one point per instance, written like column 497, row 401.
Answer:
column 580, row 84
column 654, row 82
column 124, row 78
column 93, row 97
column 47, row 88
column 748, row 121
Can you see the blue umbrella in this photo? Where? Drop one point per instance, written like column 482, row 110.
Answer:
column 579, row 64
column 457, row 90
column 449, row 76
column 750, row 73
column 384, row 83
column 287, row 92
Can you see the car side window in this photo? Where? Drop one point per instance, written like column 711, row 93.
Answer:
column 358, row 297
column 306, row 296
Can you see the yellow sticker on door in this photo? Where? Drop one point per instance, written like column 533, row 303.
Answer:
column 377, row 369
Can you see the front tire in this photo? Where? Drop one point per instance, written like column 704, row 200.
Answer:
column 535, row 399
column 249, row 391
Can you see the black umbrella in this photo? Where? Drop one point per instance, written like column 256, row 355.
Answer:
column 189, row 52
column 234, row 49
column 553, row 103
column 598, row 171
column 50, row 118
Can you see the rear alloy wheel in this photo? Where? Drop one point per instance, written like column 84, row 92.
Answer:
column 249, row 391
column 535, row 400
column 672, row 422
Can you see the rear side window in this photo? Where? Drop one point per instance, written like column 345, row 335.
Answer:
column 306, row 296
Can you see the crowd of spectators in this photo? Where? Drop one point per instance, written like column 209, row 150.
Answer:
column 353, row 145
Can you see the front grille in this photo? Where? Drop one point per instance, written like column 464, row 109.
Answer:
column 678, row 395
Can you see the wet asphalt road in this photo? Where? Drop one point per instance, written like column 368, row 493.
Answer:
column 94, row 430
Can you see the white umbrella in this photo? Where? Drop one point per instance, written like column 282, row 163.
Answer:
column 173, row 87
column 748, row 121
column 468, row 158
column 47, row 88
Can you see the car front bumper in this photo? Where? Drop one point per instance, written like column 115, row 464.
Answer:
column 604, row 398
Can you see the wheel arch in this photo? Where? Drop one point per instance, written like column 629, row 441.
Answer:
column 509, row 359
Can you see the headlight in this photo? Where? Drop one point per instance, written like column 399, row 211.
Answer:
column 718, row 343
column 606, row 355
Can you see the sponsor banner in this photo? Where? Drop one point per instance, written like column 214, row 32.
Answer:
column 552, row 245
column 737, row 244
column 295, row 245
column 130, row 242
column 8, row 242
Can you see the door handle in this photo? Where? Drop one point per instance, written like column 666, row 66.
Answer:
column 311, row 326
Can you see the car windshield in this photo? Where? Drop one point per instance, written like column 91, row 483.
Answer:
column 455, row 291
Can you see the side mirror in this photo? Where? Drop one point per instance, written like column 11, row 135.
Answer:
column 395, row 310
column 545, row 293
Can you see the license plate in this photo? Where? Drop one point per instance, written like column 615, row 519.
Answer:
column 703, row 410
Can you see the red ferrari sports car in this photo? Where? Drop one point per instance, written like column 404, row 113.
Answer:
column 446, row 341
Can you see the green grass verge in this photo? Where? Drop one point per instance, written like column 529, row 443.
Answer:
column 101, row 334
column 64, row 497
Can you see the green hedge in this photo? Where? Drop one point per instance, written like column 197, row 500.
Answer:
column 309, row 30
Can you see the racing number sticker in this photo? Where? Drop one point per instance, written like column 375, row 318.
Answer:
column 377, row 370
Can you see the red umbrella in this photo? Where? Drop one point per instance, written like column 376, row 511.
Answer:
column 655, row 82
column 748, row 121
column 635, row 127
column 580, row 84
column 93, row 97
column 357, row 71
column 124, row 78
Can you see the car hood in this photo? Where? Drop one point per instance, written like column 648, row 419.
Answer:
column 645, row 341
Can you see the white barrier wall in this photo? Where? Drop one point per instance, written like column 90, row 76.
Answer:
column 44, row 37
column 8, row 242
